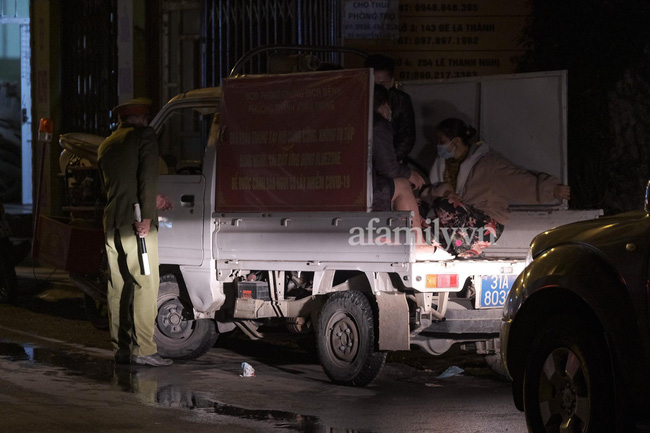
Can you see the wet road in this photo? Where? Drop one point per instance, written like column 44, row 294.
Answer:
column 58, row 376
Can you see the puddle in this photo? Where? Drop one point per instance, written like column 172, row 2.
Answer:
column 150, row 386
column 174, row 396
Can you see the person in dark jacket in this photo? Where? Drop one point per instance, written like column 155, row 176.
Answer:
column 128, row 162
column 393, row 182
column 402, row 114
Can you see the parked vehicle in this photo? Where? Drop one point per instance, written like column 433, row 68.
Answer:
column 270, row 183
column 576, row 328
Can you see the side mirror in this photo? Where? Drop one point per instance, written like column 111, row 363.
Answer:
column 647, row 198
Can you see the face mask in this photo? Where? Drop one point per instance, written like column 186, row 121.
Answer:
column 444, row 152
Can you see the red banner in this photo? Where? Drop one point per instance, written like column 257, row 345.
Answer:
column 295, row 142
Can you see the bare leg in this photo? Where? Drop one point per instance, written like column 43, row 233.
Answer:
column 403, row 199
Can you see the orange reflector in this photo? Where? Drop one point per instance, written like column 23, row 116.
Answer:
column 46, row 125
column 45, row 130
column 442, row 281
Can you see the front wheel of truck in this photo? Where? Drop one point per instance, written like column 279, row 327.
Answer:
column 346, row 340
column 177, row 334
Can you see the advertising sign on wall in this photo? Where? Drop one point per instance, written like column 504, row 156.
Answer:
column 448, row 39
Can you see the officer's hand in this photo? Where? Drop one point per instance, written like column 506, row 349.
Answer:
column 163, row 202
column 142, row 228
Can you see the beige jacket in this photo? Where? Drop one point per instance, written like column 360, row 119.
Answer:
column 490, row 183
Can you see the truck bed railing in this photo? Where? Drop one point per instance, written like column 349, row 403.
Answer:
column 295, row 48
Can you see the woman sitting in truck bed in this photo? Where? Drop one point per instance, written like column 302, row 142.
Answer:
column 393, row 182
column 471, row 186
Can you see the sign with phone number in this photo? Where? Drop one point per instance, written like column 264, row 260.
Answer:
column 451, row 38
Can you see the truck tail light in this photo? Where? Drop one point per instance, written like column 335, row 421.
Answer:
column 442, row 281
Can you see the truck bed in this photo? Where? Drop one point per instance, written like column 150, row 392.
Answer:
column 306, row 239
column 527, row 222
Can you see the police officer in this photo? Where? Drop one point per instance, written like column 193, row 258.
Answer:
column 128, row 162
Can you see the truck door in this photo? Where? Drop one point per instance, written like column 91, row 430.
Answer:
column 182, row 135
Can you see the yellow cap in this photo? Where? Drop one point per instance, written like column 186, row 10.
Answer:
column 135, row 106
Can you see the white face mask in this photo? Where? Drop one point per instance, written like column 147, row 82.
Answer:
column 444, row 151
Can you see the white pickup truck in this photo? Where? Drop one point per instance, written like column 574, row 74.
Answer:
column 271, row 221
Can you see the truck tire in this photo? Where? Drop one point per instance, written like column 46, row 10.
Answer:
column 177, row 335
column 568, row 381
column 346, row 340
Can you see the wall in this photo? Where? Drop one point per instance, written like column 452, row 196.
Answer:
column 432, row 39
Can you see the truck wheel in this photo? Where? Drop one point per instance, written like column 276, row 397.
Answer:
column 177, row 334
column 567, row 382
column 346, row 340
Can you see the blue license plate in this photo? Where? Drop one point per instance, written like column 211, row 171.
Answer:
column 494, row 290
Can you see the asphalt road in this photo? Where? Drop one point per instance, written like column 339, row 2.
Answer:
column 58, row 376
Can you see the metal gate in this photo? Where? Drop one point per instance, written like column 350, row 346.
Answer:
column 89, row 72
column 200, row 41
column 233, row 27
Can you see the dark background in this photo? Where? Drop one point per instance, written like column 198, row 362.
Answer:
column 605, row 47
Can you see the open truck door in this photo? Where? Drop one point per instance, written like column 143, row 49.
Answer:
column 183, row 132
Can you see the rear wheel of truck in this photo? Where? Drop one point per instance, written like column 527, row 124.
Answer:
column 346, row 340
column 177, row 334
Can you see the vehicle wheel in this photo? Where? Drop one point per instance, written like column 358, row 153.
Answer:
column 96, row 312
column 567, row 382
column 346, row 340
column 177, row 334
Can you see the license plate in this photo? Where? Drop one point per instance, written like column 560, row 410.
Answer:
column 494, row 290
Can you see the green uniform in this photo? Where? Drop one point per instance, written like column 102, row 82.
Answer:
column 128, row 161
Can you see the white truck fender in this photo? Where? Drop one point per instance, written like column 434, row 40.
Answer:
column 205, row 302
